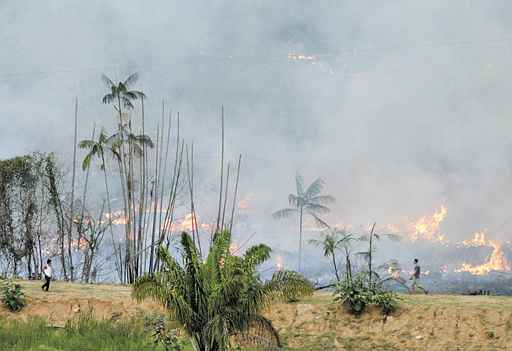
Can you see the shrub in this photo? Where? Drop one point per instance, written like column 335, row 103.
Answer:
column 387, row 301
column 355, row 295
column 12, row 296
column 162, row 335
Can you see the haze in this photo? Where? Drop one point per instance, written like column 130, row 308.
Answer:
column 399, row 106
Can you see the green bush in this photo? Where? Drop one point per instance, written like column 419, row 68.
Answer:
column 355, row 295
column 162, row 335
column 387, row 301
column 12, row 296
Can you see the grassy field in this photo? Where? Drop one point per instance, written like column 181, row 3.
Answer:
column 423, row 322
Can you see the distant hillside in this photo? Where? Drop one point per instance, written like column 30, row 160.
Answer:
column 424, row 322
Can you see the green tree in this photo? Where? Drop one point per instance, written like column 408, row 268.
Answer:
column 331, row 241
column 128, row 146
column 306, row 201
column 221, row 297
column 98, row 149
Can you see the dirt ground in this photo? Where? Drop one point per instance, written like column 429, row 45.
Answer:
column 65, row 300
column 423, row 322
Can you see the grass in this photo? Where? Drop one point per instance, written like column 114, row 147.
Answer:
column 422, row 322
column 91, row 335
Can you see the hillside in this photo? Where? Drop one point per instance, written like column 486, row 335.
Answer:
column 432, row 322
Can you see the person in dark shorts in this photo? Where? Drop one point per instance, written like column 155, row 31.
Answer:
column 47, row 272
column 415, row 277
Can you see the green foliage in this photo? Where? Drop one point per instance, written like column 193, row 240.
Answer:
column 220, row 297
column 12, row 295
column 386, row 300
column 355, row 295
column 163, row 335
column 84, row 335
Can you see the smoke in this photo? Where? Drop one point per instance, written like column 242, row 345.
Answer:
column 399, row 106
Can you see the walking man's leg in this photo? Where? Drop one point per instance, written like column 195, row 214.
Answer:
column 46, row 284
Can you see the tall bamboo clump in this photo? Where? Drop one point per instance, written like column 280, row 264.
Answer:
column 152, row 174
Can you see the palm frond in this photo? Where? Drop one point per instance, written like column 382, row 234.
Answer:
column 285, row 284
column 316, row 209
column 86, row 144
column 108, row 82
column 131, row 79
column 299, row 183
column 285, row 212
column 314, row 188
column 322, row 199
column 108, row 98
column 256, row 255
column 319, row 221
column 86, row 163
column 294, row 201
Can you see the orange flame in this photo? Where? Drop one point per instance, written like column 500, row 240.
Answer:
column 427, row 227
column 497, row 261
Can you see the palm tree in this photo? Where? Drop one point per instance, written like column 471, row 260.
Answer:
column 98, row 148
column 222, row 297
column 331, row 241
column 308, row 201
column 120, row 94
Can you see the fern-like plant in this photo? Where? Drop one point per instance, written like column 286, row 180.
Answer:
column 12, row 296
column 222, row 297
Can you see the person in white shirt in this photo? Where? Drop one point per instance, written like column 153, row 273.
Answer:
column 47, row 271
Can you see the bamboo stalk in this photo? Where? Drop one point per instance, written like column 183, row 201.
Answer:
column 235, row 194
column 73, row 178
column 221, row 169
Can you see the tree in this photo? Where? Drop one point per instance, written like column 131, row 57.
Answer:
column 120, row 94
column 368, row 255
column 222, row 297
column 98, row 149
column 308, row 201
column 331, row 241
column 128, row 146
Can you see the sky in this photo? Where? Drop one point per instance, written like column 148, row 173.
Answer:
column 399, row 106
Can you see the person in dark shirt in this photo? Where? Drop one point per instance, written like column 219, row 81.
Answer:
column 415, row 277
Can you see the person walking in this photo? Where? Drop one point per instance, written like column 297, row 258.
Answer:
column 47, row 271
column 415, row 277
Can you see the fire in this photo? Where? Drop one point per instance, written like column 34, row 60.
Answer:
column 497, row 261
column 279, row 263
column 479, row 239
column 187, row 224
column 394, row 272
column 80, row 244
column 117, row 218
column 427, row 227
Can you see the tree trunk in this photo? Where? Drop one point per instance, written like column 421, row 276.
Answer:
column 335, row 266
column 73, row 177
column 370, row 258
column 118, row 264
column 300, row 241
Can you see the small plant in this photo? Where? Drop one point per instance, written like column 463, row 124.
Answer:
column 355, row 295
column 387, row 301
column 12, row 296
column 169, row 338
